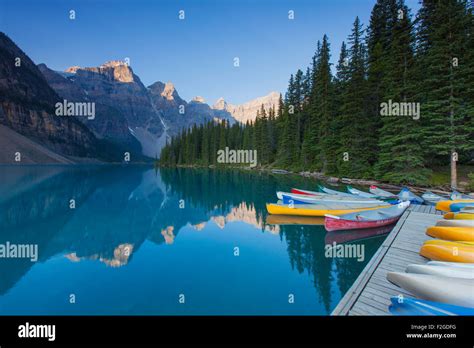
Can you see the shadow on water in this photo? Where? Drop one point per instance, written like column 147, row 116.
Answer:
column 120, row 209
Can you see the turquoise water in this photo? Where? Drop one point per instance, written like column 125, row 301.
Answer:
column 141, row 241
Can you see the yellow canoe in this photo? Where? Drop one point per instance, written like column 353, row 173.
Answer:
column 444, row 205
column 440, row 250
column 278, row 209
column 451, row 233
column 459, row 216
column 294, row 220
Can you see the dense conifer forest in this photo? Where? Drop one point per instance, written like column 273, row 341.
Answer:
column 359, row 119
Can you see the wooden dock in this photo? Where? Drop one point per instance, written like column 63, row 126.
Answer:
column 370, row 294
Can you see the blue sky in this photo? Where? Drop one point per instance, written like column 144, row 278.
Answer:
column 196, row 53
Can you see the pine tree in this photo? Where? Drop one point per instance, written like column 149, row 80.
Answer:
column 443, row 59
column 353, row 114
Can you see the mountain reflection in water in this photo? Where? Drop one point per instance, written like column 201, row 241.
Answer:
column 138, row 237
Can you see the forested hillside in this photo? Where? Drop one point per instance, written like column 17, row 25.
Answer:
column 350, row 120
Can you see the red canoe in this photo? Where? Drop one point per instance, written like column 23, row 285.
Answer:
column 365, row 219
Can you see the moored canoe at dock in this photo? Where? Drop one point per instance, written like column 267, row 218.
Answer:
column 315, row 210
column 366, row 219
column 291, row 198
column 382, row 193
column 406, row 195
column 432, row 198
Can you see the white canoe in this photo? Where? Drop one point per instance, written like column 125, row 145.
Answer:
column 451, row 264
column 444, row 271
column 292, row 198
column 456, row 223
column 454, row 291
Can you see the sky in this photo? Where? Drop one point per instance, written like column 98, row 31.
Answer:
column 196, row 53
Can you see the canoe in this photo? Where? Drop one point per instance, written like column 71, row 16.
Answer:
column 292, row 198
column 455, row 195
column 448, row 242
column 314, row 210
column 334, row 192
column 443, row 271
column 368, row 219
column 451, row 233
column 340, row 237
column 448, row 251
column 360, row 193
column 381, row 193
column 294, row 220
column 406, row 195
column 459, row 216
column 456, row 207
column 456, row 223
column 418, row 307
column 454, row 291
column 451, row 264
column 307, row 192
column 432, row 198
column 391, row 199
column 446, row 205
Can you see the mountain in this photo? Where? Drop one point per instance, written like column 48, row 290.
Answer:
column 109, row 123
column 179, row 114
column 114, row 84
column 248, row 111
column 27, row 106
column 128, row 117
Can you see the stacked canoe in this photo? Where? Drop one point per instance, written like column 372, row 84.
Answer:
column 445, row 285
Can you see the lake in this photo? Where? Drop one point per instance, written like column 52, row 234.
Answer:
column 133, row 240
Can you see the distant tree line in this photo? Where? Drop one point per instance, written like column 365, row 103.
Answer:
column 333, row 123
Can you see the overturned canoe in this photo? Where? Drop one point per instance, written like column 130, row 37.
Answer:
column 446, row 205
column 459, row 216
column 366, row 219
column 444, row 271
column 415, row 306
column 439, row 250
column 314, row 210
column 451, row 233
column 453, row 291
column 456, row 223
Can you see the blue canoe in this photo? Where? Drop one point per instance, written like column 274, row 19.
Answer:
column 455, row 207
column 414, row 306
column 406, row 195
